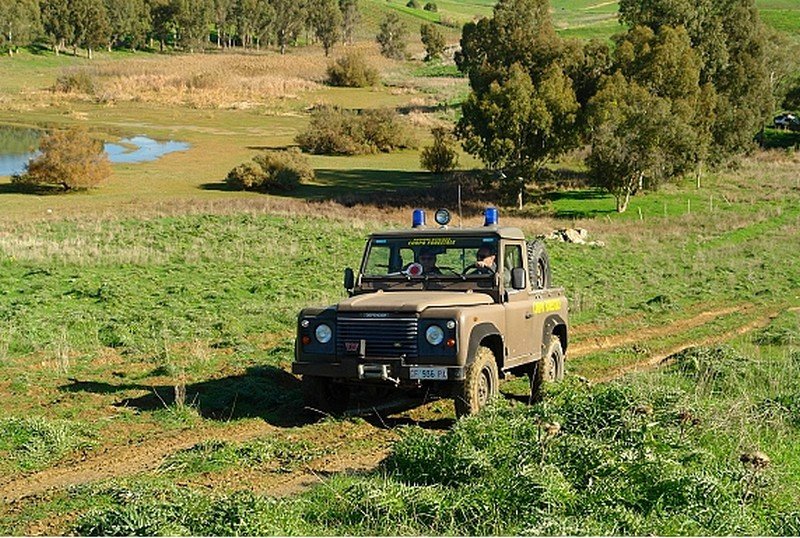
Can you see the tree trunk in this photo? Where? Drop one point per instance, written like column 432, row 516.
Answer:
column 699, row 173
column 623, row 200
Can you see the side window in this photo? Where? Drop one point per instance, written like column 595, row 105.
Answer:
column 512, row 258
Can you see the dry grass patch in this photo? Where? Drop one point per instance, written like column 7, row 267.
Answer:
column 220, row 80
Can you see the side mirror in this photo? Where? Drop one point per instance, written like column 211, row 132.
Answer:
column 349, row 279
column 518, row 278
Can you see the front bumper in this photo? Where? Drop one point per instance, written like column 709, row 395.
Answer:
column 356, row 369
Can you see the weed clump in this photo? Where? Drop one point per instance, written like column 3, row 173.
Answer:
column 34, row 442
column 75, row 81
column 709, row 366
column 272, row 171
column 352, row 71
column 783, row 331
column 336, row 131
column 217, row 455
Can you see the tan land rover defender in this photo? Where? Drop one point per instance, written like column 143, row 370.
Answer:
column 450, row 309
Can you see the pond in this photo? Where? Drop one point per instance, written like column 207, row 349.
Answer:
column 18, row 146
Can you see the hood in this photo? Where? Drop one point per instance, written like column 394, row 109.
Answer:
column 411, row 301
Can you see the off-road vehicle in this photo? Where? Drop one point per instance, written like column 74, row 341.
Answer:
column 450, row 309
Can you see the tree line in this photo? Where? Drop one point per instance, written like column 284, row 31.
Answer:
column 688, row 86
column 186, row 24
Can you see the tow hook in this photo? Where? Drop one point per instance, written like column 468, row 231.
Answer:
column 376, row 371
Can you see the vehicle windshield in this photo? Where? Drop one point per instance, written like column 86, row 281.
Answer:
column 431, row 257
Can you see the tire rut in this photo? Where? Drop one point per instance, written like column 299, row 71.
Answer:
column 663, row 358
column 600, row 343
column 117, row 461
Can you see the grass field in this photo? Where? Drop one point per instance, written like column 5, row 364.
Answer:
column 146, row 327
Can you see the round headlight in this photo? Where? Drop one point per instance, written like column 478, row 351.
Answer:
column 323, row 333
column 451, row 324
column 434, row 335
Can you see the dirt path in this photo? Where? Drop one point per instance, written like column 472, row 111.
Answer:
column 599, row 343
column 123, row 461
column 661, row 358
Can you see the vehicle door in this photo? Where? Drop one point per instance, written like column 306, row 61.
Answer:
column 519, row 316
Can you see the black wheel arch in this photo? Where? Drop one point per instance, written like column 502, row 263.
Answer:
column 488, row 335
column 555, row 325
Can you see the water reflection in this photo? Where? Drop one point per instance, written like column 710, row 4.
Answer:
column 141, row 149
column 18, row 146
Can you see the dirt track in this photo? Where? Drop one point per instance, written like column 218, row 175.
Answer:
column 114, row 461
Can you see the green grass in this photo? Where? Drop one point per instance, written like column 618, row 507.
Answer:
column 211, row 456
column 33, row 443
column 658, row 453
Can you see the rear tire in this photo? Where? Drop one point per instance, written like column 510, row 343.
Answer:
column 549, row 369
column 480, row 386
column 538, row 265
column 325, row 395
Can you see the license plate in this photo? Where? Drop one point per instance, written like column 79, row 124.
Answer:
column 435, row 374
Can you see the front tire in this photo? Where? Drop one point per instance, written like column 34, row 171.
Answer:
column 325, row 395
column 549, row 369
column 480, row 385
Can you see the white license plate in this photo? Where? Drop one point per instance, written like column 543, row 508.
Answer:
column 436, row 374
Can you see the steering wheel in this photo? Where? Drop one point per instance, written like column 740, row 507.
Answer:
column 473, row 268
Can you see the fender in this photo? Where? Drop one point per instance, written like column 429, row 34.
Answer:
column 479, row 332
column 550, row 324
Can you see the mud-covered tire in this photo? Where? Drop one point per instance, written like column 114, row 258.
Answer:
column 539, row 265
column 325, row 395
column 549, row 369
column 481, row 384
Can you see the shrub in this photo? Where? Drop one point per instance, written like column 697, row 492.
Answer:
column 413, row 4
column 272, row 171
column 433, row 39
column 70, row 158
column 431, row 6
column 383, row 130
column 75, row 81
column 441, row 157
column 335, row 131
column 352, row 71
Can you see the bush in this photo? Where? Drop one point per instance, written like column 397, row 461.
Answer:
column 383, row 130
column 70, row 158
column 431, row 6
column 75, row 81
column 442, row 156
column 352, row 71
column 413, row 4
column 335, row 131
column 272, row 171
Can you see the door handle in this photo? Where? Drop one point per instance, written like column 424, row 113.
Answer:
column 528, row 315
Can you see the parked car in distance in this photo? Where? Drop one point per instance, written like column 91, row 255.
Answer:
column 787, row 120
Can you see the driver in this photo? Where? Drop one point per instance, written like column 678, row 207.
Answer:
column 486, row 261
column 427, row 258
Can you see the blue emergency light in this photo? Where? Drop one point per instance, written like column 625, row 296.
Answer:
column 491, row 217
column 418, row 218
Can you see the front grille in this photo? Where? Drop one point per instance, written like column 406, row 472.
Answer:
column 385, row 337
